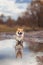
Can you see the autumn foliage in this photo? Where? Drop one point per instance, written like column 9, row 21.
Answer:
column 33, row 17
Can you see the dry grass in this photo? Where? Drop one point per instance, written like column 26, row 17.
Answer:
column 5, row 28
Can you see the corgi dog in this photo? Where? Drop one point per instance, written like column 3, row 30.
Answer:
column 19, row 34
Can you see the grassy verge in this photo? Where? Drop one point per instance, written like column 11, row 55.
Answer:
column 5, row 28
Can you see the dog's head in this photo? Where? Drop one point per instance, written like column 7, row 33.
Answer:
column 19, row 31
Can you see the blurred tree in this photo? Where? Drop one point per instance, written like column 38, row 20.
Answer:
column 1, row 19
column 10, row 22
column 41, row 14
column 38, row 8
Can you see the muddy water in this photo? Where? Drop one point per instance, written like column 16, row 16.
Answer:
column 7, row 50
column 7, row 54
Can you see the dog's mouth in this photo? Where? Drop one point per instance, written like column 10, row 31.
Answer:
column 20, row 33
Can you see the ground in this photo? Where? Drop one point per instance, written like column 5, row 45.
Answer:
column 7, row 52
